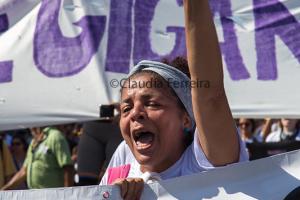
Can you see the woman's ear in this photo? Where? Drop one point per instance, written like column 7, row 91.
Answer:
column 187, row 122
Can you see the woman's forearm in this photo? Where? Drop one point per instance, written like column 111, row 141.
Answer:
column 205, row 63
column 216, row 128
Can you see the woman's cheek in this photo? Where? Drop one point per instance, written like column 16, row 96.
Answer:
column 125, row 129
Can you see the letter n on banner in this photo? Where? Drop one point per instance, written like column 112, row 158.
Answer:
column 234, row 61
column 5, row 66
column 273, row 18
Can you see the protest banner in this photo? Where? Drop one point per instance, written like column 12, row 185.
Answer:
column 59, row 60
column 269, row 178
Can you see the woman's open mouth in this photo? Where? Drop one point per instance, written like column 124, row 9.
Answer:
column 143, row 140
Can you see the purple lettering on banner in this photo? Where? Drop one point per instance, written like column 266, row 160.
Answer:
column 6, row 67
column 119, row 36
column 234, row 61
column 59, row 56
column 6, row 71
column 273, row 18
column 180, row 2
column 3, row 23
column 180, row 45
column 144, row 12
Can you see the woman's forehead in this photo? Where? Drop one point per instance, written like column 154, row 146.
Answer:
column 146, row 85
column 144, row 93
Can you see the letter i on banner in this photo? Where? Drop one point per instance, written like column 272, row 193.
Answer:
column 120, row 37
column 5, row 66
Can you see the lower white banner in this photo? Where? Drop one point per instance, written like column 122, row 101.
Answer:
column 269, row 178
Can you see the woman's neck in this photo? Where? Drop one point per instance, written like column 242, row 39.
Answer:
column 163, row 166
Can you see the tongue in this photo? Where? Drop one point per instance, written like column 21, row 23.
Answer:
column 144, row 139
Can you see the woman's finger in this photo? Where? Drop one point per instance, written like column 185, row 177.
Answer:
column 131, row 188
column 123, row 185
column 135, row 189
column 130, row 195
column 139, row 188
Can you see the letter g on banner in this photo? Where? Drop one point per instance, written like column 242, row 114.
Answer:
column 59, row 56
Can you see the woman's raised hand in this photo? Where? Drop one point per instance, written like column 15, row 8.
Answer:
column 131, row 188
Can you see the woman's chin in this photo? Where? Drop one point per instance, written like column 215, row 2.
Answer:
column 144, row 159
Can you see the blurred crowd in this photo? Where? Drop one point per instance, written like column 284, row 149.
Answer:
column 268, row 130
column 77, row 154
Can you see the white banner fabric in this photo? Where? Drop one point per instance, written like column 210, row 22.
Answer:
column 269, row 178
column 61, row 59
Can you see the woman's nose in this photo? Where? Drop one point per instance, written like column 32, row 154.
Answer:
column 138, row 112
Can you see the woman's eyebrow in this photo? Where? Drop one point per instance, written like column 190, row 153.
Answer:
column 147, row 96
column 127, row 100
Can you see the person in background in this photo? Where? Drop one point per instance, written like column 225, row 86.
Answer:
column 68, row 131
column 18, row 149
column 269, row 125
column 288, row 132
column 247, row 130
column 7, row 167
column 48, row 161
column 99, row 140
column 72, row 133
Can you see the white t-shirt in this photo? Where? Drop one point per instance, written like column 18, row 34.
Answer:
column 275, row 136
column 193, row 160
